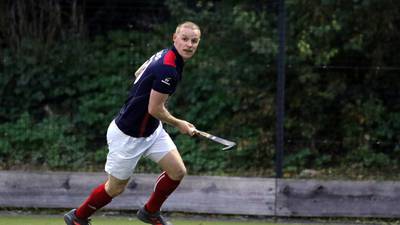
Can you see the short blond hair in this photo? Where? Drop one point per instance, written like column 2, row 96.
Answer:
column 187, row 24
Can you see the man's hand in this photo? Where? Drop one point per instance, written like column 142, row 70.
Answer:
column 186, row 128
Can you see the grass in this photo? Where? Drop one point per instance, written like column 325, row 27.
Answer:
column 100, row 220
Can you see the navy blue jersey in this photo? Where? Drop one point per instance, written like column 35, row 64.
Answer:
column 161, row 72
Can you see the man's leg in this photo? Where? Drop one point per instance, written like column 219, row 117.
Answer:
column 168, row 181
column 100, row 196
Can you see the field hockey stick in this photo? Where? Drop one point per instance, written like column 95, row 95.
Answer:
column 228, row 144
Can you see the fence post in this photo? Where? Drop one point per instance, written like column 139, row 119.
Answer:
column 280, row 90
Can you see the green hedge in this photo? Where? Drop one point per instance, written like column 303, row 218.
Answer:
column 57, row 101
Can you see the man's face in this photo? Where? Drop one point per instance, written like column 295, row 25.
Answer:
column 186, row 42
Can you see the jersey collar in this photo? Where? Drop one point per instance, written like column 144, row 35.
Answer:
column 179, row 60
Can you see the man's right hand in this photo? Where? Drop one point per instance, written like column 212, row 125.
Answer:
column 186, row 128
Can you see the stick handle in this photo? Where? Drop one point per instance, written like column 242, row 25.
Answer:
column 202, row 133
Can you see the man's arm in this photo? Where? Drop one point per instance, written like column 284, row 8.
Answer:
column 158, row 110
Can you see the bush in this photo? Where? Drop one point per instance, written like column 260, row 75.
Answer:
column 47, row 143
column 334, row 116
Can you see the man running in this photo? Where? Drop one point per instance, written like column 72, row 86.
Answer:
column 137, row 131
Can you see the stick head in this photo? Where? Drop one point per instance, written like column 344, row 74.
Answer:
column 229, row 147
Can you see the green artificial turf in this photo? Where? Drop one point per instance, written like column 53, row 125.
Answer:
column 53, row 220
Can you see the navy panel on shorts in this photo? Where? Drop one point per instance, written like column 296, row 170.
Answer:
column 161, row 72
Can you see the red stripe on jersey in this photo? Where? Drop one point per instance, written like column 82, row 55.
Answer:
column 169, row 58
column 144, row 124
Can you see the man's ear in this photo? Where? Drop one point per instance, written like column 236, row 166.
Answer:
column 174, row 37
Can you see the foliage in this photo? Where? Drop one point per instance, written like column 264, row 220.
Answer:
column 49, row 143
column 340, row 108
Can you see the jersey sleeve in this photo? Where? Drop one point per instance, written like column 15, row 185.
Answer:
column 165, row 81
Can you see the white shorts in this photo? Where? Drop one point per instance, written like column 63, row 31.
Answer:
column 125, row 151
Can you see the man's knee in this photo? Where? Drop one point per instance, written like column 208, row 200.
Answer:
column 178, row 174
column 173, row 164
column 115, row 187
column 114, row 191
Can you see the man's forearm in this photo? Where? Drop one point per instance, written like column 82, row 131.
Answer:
column 162, row 114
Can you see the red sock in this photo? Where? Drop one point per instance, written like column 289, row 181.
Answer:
column 163, row 188
column 96, row 200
